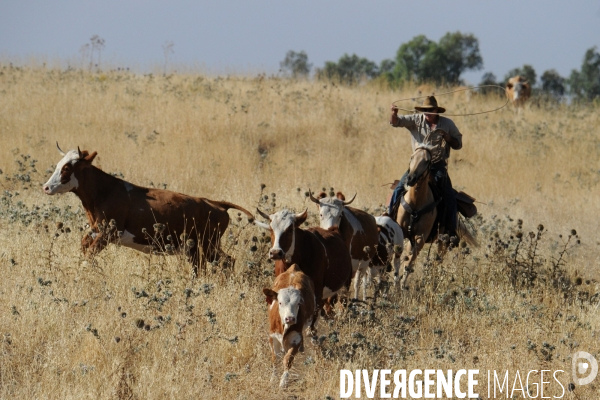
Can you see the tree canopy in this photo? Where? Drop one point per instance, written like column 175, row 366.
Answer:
column 553, row 84
column 295, row 64
column 585, row 84
column 423, row 60
column 349, row 69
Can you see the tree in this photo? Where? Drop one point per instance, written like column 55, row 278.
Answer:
column 585, row 84
column 409, row 58
column 455, row 54
column 422, row 60
column 526, row 71
column 553, row 84
column 349, row 69
column 489, row 79
column 295, row 64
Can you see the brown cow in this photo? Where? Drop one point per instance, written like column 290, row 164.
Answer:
column 291, row 310
column 320, row 253
column 359, row 230
column 518, row 90
column 119, row 211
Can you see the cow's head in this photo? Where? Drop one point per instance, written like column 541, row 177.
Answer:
column 518, row 86
column 64, row 178
column 330, row 208
column 288, row 300
column 283, row 225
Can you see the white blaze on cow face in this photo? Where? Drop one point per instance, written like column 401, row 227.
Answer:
column 289, row 301
column 518, row 87
column 63, row 180
column 284, row 235
column 330, row 212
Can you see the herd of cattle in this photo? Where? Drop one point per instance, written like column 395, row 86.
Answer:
column 311, row 265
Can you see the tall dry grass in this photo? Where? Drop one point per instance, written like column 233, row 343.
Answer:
column 129, row 325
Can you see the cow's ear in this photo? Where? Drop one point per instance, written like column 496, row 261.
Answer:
column 270, row 295
column 90, row 157
column 340, row 196
column 322, row 195
column 509, row 85
column 300, row 218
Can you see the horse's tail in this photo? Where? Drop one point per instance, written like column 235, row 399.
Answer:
column 465, row 233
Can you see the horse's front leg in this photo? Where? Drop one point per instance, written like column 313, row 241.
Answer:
column 409, row 260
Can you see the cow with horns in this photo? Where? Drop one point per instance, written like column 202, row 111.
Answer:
column 121, row 212
column 359, row 231
column 320, row 253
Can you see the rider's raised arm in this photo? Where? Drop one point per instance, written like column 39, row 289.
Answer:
column 404, row 121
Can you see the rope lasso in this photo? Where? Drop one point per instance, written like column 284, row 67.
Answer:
column 413, row 98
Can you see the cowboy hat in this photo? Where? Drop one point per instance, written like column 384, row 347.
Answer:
column 429, row 105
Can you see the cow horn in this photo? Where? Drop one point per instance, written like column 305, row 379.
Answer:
column 351, row 200
column 314, row 200
column 62, row 153
column 302, row 215
column 80, row 153
column 263, row 214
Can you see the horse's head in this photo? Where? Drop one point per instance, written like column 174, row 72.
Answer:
column 420, row 161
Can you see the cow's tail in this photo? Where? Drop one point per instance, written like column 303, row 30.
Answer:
column 227, row 205
column 465, row 233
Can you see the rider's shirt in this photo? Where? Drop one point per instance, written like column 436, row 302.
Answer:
column 422, row 133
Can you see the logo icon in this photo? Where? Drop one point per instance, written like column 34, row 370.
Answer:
column 584, row 364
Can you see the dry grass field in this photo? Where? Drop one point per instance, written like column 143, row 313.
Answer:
column 135, row 326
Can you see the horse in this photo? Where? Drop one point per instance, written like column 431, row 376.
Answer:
column 418, row 211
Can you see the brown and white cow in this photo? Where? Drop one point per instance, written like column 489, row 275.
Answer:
column 359, row 230
column 292, row 307
column 518, row 90
column 319, row 253
column 389, row 248
column 139, row 217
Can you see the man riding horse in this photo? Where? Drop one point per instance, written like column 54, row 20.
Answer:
column 429, row 127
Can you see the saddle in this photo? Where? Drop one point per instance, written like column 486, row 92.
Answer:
column 465, row 204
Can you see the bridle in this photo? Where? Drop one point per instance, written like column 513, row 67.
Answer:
column 416, row 214
column 427, row 170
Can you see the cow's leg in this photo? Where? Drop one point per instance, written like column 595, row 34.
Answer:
column 374, row 275
column 211, row 248
column 294, row 340
column 275, row 350
column 93, row 243
column 357, row 273
column 328, row 305
column 396, row 262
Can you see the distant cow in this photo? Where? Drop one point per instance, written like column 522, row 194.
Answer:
column 389, row 248
column 518, row 90
column 291, row 310
column 320, row 253
column 358, row 229
column 138, row 217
